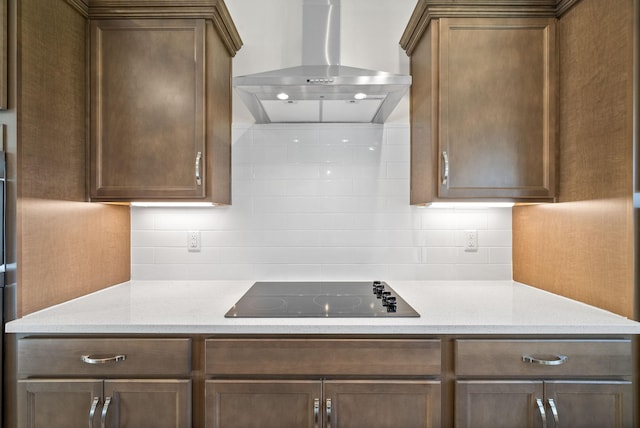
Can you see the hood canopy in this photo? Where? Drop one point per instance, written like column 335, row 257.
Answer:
column 321, row 90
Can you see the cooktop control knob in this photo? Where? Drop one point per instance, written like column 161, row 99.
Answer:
column 378, row 288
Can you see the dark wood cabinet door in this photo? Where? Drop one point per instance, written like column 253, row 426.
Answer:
column 498, row 404
column 497, row 107
column 263, row 404
column 382, row 404
column 59, row 403
column 602, row 404
column 147, row 109
column 153, row 403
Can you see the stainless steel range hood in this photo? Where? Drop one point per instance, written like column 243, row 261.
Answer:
column 321, row 90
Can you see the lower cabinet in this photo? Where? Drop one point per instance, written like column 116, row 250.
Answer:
column 329, row 403
column 322, row 383
column 543, row 383
column 104, row 382
column 318, row 381
column 125, row 403
column 521, row 403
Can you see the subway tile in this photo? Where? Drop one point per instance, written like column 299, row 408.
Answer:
column 288, row 272
column 494, row 238
column 485, row 271
column 499, row 218
column 395, row 153
column 320, row 201
column 165, row 272
column 396, row 170
column 229, row 272
column 353, row 272
column 500, row 255
column 144, row 255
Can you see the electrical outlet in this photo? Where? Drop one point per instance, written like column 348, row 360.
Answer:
column 193, row 240
column 471, row 240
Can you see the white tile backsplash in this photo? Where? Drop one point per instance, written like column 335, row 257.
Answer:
column 320, row 202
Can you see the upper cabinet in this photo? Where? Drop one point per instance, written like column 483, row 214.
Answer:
column 161, row 100
column 483, row 100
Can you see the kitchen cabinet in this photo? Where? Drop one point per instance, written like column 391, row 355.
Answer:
column 133, row 383
column 134, row 403
column 315, row 380
column 160, row 102
column 344, row 403
column 520, row 403
column 322, row 383
column 483, row 104
column 4, row 32
column 533, row 383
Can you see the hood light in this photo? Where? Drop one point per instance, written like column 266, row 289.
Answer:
column 360, row 96
column 282, row 96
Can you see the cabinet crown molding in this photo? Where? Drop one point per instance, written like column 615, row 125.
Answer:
column 213, row 10
column 426, row 10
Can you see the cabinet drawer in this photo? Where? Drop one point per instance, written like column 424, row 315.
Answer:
column 323, row 357
column 142, row 357
column 548, row 358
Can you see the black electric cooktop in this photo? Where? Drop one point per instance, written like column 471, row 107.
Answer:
column 321, row 300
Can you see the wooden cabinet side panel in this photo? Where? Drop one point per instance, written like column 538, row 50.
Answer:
column 147, row 108
column 424, row 118
column 407, row 404
column 582, row 248
column 218, row 95
column 65, row 248
column 498, row 107
column 52, row 97
column 56, row 403
column 262, row 404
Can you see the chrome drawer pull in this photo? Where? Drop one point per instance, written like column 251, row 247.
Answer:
column 328, row 410
column 198, row 161
column 105, row 409
column 92, row 411
column 316, row 412
column 551, row 360
column 445, row 168
column 554, row 411
column 90, row 359
column 543, row 414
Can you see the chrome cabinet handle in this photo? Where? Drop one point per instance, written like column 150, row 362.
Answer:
column 554, row 360
column 105, row 409
column 328, row 410
column 445, row 168
column 543, row 414
column 316, row 412
column 90, row 359
column 554, row 411
column 198, row 161
column 92, row 411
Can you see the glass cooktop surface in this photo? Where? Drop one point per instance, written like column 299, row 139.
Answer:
column 320, row 300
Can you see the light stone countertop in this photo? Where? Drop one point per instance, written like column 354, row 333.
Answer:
column 446, row 307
